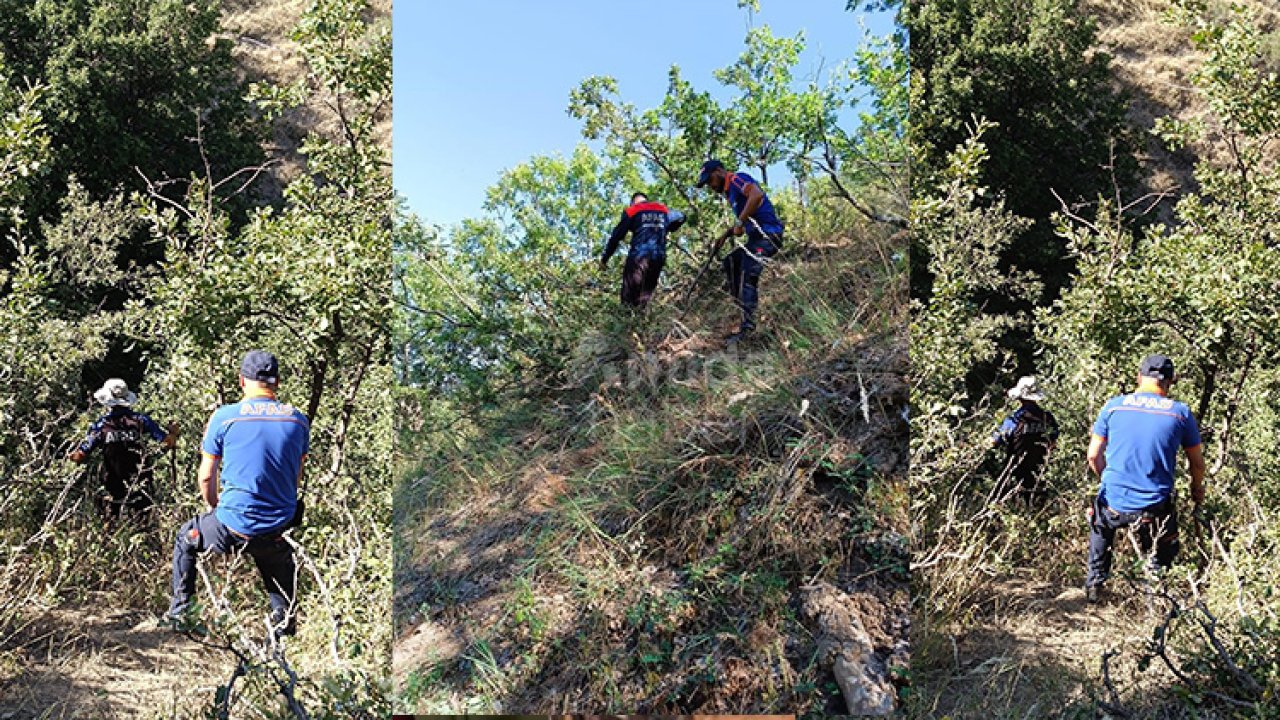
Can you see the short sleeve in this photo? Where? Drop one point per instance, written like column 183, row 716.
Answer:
column 733, row 188
column 675, row 219
column 1100, row 425
column 212, row 443
column 1190, row 431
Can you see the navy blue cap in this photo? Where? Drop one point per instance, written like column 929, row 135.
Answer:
column 1156, row 366
column 260, row 365
column 707, row 168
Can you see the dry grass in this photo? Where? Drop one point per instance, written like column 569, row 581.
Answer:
column 1037, row 651
column 92, row 661
column 640, row 540
column 1153, row 63
column 264, row 52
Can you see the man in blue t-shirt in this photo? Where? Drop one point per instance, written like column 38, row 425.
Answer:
column 648, row 223
column 758, row 221
column 1134, row 450
column 254, row 449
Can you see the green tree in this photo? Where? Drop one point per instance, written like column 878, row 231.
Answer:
column 1032, row 69
column 131, row 86
column 505, row 297
column 24, row 143
column 964, row 231
column 769, row 122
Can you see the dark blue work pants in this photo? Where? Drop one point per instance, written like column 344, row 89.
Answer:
column 742, row 269
column 271, row 553
column 1155, row 526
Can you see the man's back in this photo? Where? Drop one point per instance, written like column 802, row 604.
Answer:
column 261, row 443
column 119, row 433
column 766, row 219
column 1027, row 433
column 649, row 223
column 1144, row 431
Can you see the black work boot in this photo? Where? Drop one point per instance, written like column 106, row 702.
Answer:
column 743, row 333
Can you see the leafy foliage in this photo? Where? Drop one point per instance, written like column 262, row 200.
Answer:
column 502, row 301
column 770, row 122
column 1201, row 290
column 952, row 332
column 127, row 86
column 1032, row 70
column 197, row 272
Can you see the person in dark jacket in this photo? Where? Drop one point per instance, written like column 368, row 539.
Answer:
column 757, row 220
column 126, row 476
column 649, row 223
column 1027, row 437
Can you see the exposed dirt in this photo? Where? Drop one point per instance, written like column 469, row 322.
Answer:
column 1153, row 63
column 1037, row 651
column 91, row 662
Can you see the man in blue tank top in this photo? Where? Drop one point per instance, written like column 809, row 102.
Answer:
column 758, row 221
column 1134, row 450
column 648, row 223
column 254, row 450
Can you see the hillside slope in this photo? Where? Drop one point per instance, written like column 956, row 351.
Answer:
column 679, row 528
column 1152, row 63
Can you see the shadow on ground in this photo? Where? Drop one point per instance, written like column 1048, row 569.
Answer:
column 90, row 662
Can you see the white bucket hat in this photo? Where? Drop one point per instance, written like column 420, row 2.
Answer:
column 115, row 392
column 1027, row 389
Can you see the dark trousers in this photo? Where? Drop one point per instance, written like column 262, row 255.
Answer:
column 742, row 269
column 1025, row 470
column 1155, row 527
column 640, row 279
column 1026, row 483
column 130, row 495
column 272, row 554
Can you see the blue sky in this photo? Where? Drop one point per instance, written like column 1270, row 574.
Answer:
column 482, row 86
